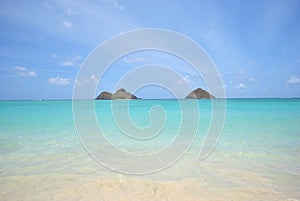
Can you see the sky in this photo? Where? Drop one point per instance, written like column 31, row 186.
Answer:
column 254, row 45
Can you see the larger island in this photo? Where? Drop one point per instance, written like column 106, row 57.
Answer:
column 120, row 94
column 199, row 93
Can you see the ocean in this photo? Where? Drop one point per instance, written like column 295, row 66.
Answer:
column 134, row 154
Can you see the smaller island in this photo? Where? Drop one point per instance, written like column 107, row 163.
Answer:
column 199, row 93
column 120, row 94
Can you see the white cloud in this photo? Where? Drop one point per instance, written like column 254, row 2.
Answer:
column 59, row 81
column 252, row 61
column 293, row 79
column 76, row 58
column 184, row 80
column 70, row 61
column 77, row 82
column 241, row 72
column 116, row 4
column 46, row 5
column 251, row 79
column 94, row 78
column 24, row 72
column 67, row 63
column 133, row 60
column 41, row 37
column 67, row 24
column 241, row 86
column 71, row 12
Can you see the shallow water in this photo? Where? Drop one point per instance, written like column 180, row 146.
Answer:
column 257, row 157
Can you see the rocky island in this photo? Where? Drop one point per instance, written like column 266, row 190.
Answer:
column 199, row 93
column 120, row 94
column 123, row 94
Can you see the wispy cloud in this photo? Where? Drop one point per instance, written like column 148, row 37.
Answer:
column 264, row 90
column 41, row 36
column 71, row 11
column 24, row 72
column 241, row 86
column 94, row 78
column 59, row 81
column 133, row 60
column 67, row 24
column 67, row 63
column 293, row 79
column 46, row 4
column 116, row 4
column 56, row 18
column 72, row 61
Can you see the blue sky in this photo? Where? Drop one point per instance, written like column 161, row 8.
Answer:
column 254, row 44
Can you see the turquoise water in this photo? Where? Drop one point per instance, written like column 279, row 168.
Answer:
column 258, row 153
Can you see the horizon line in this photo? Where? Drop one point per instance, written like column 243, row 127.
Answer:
column 149, row 99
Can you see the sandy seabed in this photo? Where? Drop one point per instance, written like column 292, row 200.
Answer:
column 124, row 188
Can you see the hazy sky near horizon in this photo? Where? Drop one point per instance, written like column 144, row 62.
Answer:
column 254, row 44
